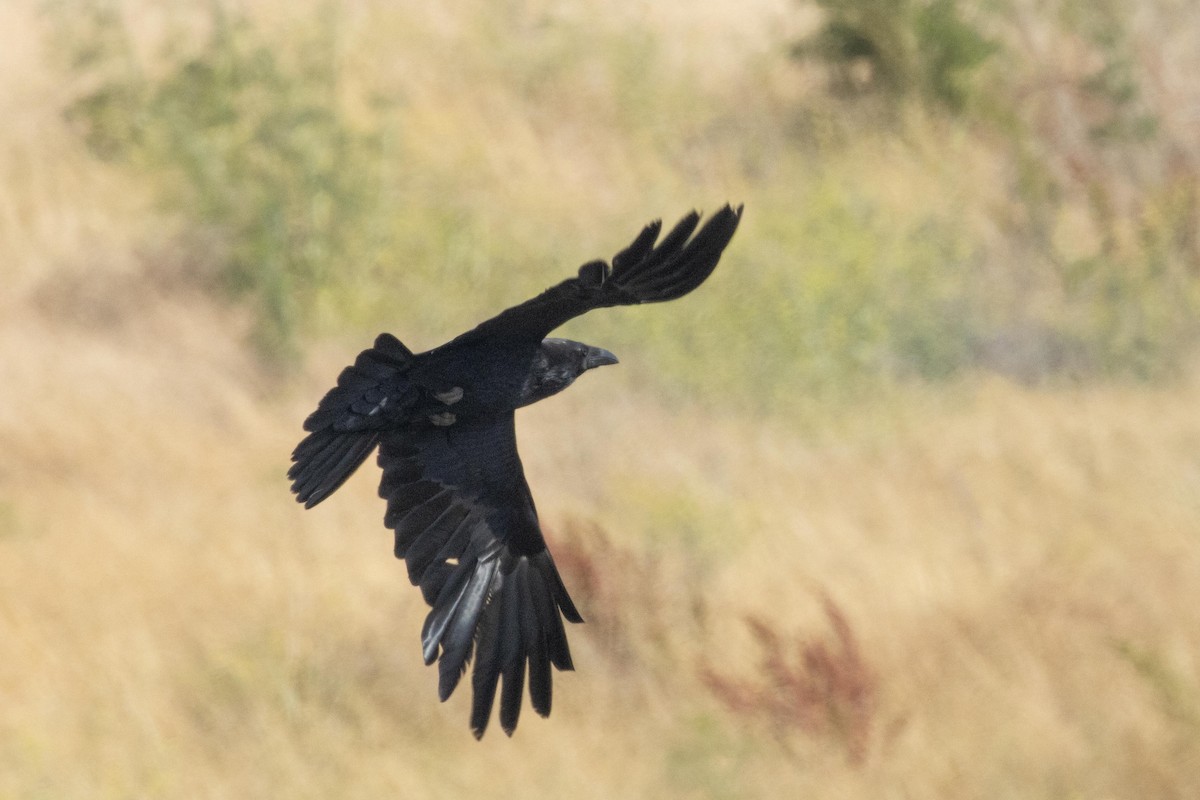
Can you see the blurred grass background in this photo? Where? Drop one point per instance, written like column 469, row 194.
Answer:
column 938, row 536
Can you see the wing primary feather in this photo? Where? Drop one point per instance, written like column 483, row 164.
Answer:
column 309, row 446
column 555, row 635
column 692, row 264
column 558, row 588
column 485, row 677
column 674, row 277
column 338, row 473
column 434, row 580
column 533, row 630
column 674, row 241
column 512, row 650
column 460, row 633
column 512, row 691
column 639, row 248
column 671, row 244
column 323, row 448
column 443, row 609
column 325, row 464
column 512, row 659
column 541, row 684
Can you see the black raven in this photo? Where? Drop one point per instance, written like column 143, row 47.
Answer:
column 456, row 495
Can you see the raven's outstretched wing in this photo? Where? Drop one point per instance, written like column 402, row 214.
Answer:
column 467, row 528
column 644, row 272
column 349, row 420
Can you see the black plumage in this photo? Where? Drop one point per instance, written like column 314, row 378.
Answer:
column 457, row 500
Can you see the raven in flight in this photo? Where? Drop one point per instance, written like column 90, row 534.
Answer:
column 457, row 499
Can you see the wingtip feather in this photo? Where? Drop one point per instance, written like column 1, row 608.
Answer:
column 682, row 260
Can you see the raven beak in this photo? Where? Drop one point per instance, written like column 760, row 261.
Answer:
column 598, row 357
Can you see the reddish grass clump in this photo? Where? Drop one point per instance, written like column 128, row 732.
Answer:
column 618, row 591
column 821, row 686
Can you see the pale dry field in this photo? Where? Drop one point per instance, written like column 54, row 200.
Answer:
column 1019, row 569
column 1016, row 570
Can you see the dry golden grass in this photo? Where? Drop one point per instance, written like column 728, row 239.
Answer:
column 1017, row 568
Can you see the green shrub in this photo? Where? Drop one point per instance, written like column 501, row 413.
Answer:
column 899, row 48
column 822, row 300
column 321, row 219
column 251, row 146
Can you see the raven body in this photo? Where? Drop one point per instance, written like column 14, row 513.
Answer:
column 457, row 499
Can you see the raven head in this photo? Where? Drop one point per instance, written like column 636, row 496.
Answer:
column 556, row 365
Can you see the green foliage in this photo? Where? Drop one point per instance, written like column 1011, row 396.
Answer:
column 899, row 48
column 868, row 296
column 252, row 147
column 952, row 51
column 819, row 301
column 1083, row 145
column 322, row 219
column 1114, row 86
column 1137, row 317
column 1091, row 146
